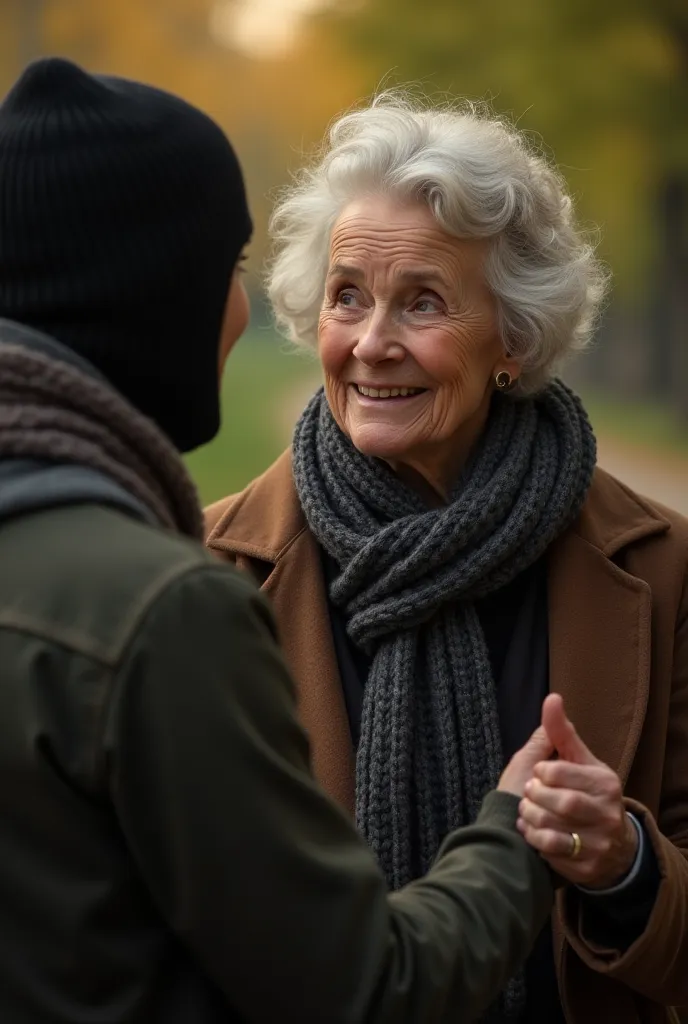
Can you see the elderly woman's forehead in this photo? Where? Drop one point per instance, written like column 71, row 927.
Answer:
column 386, row 212
column 405, row 233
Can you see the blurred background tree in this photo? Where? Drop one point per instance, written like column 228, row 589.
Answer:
column 602, row 86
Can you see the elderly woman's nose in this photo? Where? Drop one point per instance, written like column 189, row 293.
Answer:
column 377, row 343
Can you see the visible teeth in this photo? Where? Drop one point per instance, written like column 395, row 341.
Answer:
column 386, row 392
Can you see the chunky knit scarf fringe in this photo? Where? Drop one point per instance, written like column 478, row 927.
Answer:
column 409, row 577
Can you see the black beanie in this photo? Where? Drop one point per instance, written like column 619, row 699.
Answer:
column 122, row 215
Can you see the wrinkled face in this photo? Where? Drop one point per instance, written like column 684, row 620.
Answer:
column 408, row 338
column 236, row 316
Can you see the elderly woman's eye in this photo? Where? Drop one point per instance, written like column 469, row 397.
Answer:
column 426, row 304
column 348, row 299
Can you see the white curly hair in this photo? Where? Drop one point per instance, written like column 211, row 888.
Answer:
column 481, row 178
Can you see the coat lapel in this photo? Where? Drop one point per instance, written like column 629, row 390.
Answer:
column 600, row 622
column 599, row 635
column 263, row 530
column 297, row 590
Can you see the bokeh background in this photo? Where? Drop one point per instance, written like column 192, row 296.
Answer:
column 603, row 86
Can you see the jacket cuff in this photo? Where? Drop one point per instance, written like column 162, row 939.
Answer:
column 499, row 808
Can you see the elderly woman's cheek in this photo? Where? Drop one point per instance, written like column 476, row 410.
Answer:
column 459, row 377
column 336, row 394
column 334, row 354
column 334, row 344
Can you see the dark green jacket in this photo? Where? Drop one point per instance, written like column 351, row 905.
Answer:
column 165, row 856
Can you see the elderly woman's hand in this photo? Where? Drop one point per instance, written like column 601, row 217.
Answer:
column 573, row 811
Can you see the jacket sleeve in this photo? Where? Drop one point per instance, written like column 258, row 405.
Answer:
column 259, row 874
column 655, row 963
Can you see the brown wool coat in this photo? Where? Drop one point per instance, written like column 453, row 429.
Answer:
column 618, row 632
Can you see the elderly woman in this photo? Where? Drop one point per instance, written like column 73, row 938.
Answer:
column 442, row 552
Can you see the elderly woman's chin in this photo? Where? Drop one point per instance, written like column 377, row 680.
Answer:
column 385, row 428
column 391, row 442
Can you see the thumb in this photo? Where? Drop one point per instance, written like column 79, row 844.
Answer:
column 520, row 768
column 538, row 748
column 562, row 732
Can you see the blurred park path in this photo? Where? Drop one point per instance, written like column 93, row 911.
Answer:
column 657, row 475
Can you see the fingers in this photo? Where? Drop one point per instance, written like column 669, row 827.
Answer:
column 562, row 732
column 551, row 843
column 598, row 780
column 584, row 813
column 601, row 862
column 557, row 849
column 569, row 811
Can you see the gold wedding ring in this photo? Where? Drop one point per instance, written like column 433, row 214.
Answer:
column 576, row 846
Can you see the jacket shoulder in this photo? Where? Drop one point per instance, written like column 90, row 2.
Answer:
column 85, row 576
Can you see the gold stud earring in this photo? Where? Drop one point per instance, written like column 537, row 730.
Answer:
column 504, row 381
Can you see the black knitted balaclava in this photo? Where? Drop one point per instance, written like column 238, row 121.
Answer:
column 122, row 215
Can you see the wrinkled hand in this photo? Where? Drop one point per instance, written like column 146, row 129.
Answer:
column 522, row 765
column 577, row 793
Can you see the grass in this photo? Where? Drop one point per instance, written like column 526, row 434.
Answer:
column 261, row 382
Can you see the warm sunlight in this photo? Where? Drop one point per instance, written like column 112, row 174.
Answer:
column 261, row 28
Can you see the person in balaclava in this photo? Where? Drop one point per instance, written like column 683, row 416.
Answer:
column 165, row 855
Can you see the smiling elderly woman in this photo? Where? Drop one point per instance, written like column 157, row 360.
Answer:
column 441, row 550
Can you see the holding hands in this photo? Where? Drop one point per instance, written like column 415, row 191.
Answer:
column 572, row 809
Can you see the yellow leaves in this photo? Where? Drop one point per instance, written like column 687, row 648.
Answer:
column 62, row 26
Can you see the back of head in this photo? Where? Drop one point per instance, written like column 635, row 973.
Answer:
column 122, row 215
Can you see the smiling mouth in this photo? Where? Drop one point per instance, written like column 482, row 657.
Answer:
column 387, row 392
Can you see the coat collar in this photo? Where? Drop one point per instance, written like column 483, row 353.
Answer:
column 264, row 520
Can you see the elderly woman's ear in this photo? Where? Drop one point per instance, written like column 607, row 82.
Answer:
column 506, row 374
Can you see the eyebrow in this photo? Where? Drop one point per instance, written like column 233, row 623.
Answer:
column 423, row 275
column 344, row 270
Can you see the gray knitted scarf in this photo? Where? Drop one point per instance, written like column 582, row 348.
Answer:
column 62, row 411
column 430, row 747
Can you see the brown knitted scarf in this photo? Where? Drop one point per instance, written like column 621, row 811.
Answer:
column 56, row 411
